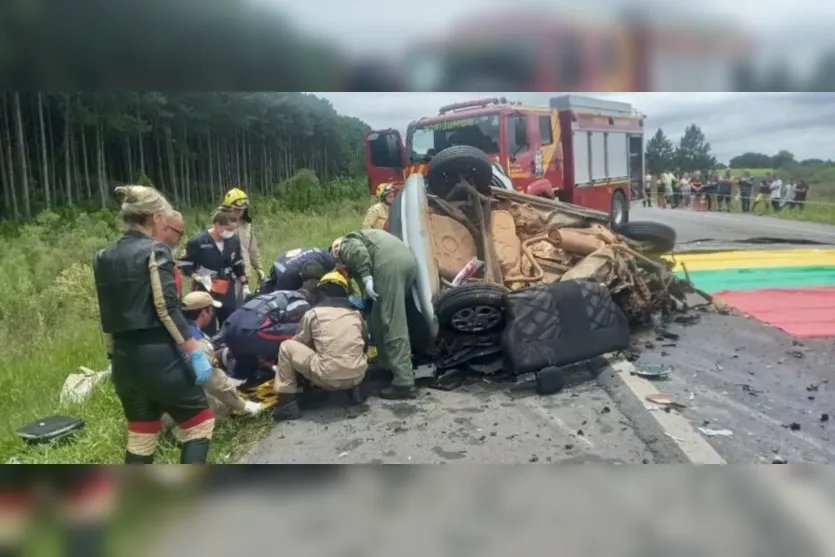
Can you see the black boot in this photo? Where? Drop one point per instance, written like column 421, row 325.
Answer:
column 195, row 452
column 86, row 541
column 131, row 458
column 287, row 408
column 356, row 396
column 398, row 393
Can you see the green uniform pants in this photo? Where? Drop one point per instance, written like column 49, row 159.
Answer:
column 393, row 280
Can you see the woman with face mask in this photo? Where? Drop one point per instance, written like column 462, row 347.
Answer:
column 216, row 253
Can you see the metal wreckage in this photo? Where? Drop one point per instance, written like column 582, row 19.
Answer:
column 511, row 284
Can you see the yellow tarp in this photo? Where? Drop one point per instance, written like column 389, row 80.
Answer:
column 754, row 259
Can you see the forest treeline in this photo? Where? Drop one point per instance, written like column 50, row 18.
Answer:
column 73, row 148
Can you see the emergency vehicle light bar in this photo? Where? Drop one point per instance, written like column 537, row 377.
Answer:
column 480, row 103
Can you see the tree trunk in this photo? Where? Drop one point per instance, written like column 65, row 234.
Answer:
column 211, row 164
column 139, row 140
column 238, row 160
column 9, row 158
column 100, row 177
column 131, row 178
column 160, row 167
column 51, row 156
column 246, row 163
column 169, row 147
column 21, row 153
column 44, row 162
column 67, row 151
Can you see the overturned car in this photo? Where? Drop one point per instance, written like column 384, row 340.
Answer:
column 554, row 285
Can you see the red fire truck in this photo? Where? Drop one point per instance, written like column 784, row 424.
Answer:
column 581, row 150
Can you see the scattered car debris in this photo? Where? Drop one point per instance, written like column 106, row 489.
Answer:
column 796, row 354
column 653, row 371
column 666, row 401
column 716, row 432
column 794, row 426
column 824, row 418
column 779, row 460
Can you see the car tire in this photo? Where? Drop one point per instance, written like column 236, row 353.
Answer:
column 620, row 210
column 454, row 163
column 660, row 237
column 549, row 381
column 472, row 308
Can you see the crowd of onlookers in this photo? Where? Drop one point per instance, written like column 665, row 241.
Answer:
column 714, row 192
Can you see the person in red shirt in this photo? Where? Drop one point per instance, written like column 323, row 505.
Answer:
column 801, row 190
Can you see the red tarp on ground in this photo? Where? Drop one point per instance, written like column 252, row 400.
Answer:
column 802, row 313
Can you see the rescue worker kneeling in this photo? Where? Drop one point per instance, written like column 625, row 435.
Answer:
column 328, row 349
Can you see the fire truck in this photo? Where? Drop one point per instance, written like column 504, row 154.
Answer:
column 580, row 150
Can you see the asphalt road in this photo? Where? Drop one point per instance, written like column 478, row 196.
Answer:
column 731, row 372
column 692, row 226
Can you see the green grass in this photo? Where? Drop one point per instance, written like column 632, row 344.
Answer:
column 821, row 180
column 49, row 325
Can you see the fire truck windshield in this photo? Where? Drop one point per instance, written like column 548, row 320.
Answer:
column 426, row 140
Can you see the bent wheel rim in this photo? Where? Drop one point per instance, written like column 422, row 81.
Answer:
column 476, row 319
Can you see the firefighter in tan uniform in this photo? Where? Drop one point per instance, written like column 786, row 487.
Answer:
column 328, row 349
column 237, row 201
column 378, row 214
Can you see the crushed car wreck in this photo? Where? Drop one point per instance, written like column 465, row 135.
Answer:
column 553, row 284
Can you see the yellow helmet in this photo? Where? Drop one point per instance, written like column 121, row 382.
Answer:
column 235, row 197
column 334, row 277
column 384, row 189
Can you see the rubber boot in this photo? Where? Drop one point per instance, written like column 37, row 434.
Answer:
column 398, row 393
column 287, row 408
column 131, row 458
column 356, row 396
column 86, row 541
column 195, row 452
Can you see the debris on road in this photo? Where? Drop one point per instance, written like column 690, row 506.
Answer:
column 716, row 432
column 779, row 460
column 653, row 371
column 666, row 401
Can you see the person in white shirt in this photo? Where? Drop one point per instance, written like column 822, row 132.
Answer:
column 686, row 190
column 776, row 192
column 647, row 191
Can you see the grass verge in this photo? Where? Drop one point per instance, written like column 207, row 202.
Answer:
column 49, row 326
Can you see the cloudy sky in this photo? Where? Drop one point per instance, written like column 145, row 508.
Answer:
column 803, row 123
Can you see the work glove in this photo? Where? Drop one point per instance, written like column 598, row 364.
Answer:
column 252, row 408
column 201, row 365
column 245, row 291
column 261, row 274
column 369, row 287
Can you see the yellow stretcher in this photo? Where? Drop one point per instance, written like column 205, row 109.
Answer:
column 265, row 392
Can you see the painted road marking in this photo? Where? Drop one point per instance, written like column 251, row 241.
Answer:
column 675, row 426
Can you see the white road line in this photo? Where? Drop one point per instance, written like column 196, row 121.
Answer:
column 677, row 427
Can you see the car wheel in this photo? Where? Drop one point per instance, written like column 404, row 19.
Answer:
column 620, row 210
column 550, row 380
column 472, row 308
column 659, row 237
column 449, row 166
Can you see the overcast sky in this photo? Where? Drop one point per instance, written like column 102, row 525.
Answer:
column 803, row 123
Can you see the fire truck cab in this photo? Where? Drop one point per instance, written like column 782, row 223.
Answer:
column 580, row 150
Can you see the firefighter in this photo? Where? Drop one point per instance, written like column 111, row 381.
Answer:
column 387, row 270
column 254, row 332
column 378, row 214
column 146, row 334
column 218, row 250
column 328, row 349
column 286, row 270
column 237, row 201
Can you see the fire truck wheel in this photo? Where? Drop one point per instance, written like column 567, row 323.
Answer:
column 660, row 238
column 454, row 163
column 620, row 209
